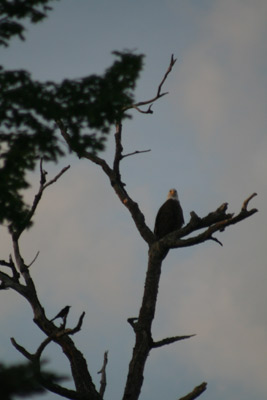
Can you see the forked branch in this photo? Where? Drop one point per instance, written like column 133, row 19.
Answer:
column 43, row 185
column 159, row 93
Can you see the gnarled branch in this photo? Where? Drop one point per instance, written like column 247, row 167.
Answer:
column 216, row 221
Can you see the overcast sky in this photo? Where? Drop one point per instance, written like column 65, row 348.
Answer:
column 207, row 139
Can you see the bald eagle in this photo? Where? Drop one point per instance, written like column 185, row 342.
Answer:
column 170, row 215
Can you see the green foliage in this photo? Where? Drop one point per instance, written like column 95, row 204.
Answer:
column 22, row 380
column 12, row 11
column 88, row 107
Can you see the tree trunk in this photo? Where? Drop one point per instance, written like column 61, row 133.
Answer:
column 142, row 328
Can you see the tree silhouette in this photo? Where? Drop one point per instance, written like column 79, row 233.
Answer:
column 32, row 114
column 23, row 380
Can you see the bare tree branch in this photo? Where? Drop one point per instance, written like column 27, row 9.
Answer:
column 245, row 204
column 148, row 111
column 9, row 282
column 12, row 266
column 37, row 254
column 71, row 331
column 216, row 221
column 118, row 154
column 170, row 340
column 158, row 95
column 43, row 185
column 196, row 392
column 117, row 185
column 103, row 381
column 22, row 350
column 53, row 387
column 135, row 152
column 132, row 322
column 61, row 391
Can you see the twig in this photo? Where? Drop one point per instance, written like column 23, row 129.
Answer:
column 245, row 204
column 42, row 346
column 170, row 340
column 216, row 240
column 172, row 62
column 132, row 322
column 56, row 177
column 16, row 234
column 103, row 381
column 196, row 392
column 22, row 350
column 42, row 173
column 11, row 265
column 37, row 254
column 158, row 95
column 148, row 111
column 71, row 331
column 53, row 387
column 55, row 335
column 135, row 152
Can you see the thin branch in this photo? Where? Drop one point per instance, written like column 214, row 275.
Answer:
column 22, row 350
column 38, row 196
column 8, row 282
column 132, row 322
column 43, row 173
column 37, row 254
column 216, row 240
column 55, row 335
column 85, row 154
column 5, row 263
column 78, row 326
column 22, row 267
column 159, row 94
column 245, row 204
column 172, row 62
column 42, row 346
column 196, row 392
column 53, row 387
column 60, row 390
column 170, row 340
column 135, row 152
column 103, row 381
column 148, row 111
column 70, row 331
column 56, row 177
column 12, row 266
column 118, row 152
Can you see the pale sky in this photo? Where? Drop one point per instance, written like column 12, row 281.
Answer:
column 207, row 139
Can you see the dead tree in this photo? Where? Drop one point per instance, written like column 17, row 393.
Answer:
column 19, row 278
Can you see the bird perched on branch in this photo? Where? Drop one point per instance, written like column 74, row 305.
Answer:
column 62, row 314
column 170, row 215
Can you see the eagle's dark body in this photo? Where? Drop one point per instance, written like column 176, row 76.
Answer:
column 170, row 216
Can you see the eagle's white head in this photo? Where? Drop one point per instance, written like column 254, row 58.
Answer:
column 172, row 194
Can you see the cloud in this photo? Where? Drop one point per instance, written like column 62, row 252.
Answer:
column 220, row 292
column 220, row 81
